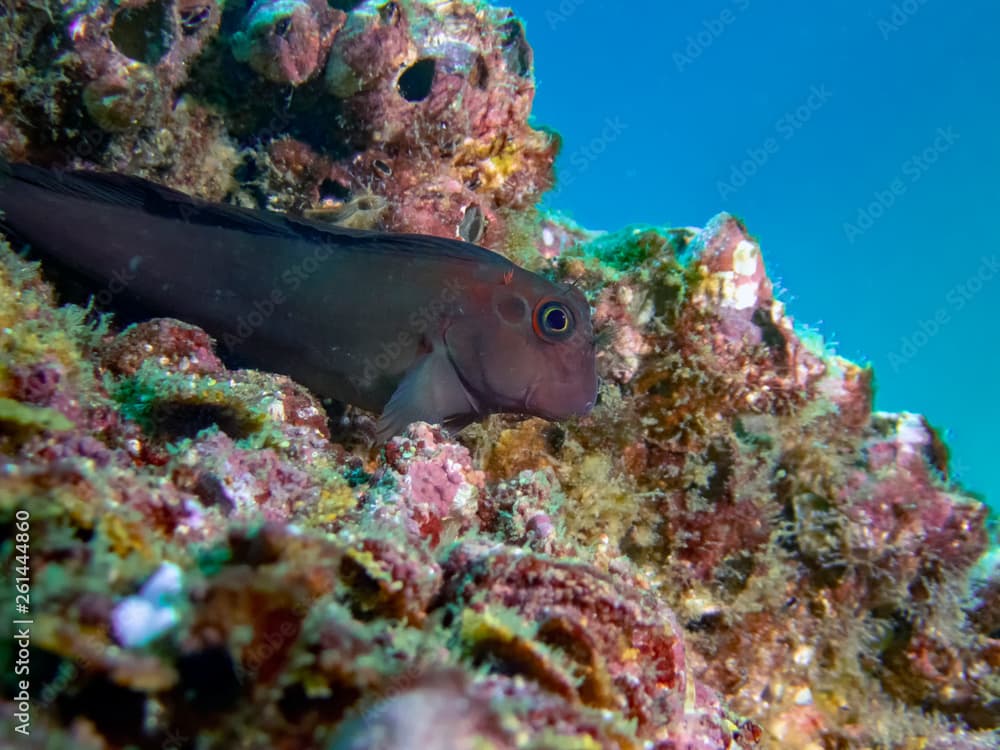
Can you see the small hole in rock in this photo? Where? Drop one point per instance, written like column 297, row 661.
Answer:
column 555, row 438
column 416, row 81
column 334, row 189
column 382, row 167
column 208, row 679
column 516, row 50
column 141, row 33
column 114, row 711
column 254, row 547
column 772, row 336
column 345, row 5
column 367, row 203
column 366, row 597
column 84, row 535
column 297, row 706
column 479, row 76
column 390, row 13
column 193, row 18
column 174, row 420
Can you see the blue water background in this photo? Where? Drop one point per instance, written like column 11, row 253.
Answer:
column 859, row 141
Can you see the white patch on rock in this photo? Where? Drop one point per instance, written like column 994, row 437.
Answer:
column 139, row 620
column 745, row 296
column 746, row 258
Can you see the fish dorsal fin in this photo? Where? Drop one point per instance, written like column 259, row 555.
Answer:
column 113, row 189
column 431, row 391
column 137, row 193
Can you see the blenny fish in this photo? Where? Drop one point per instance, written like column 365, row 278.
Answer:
column 415, row 327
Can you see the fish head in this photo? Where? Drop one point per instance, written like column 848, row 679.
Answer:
column 528, row 347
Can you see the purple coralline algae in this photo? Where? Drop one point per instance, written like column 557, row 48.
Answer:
column 733, row 550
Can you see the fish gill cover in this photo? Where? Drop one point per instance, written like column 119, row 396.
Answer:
column 732, row 550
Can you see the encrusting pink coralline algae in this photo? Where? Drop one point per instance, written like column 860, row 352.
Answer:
column 733, row 550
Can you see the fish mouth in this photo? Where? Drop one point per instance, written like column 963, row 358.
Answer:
column 530, row 407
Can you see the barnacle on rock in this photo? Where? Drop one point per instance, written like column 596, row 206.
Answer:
column 287, row 41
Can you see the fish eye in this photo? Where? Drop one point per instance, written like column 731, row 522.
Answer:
column 553, row 320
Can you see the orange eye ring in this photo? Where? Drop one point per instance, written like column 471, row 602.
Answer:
column 552, row 320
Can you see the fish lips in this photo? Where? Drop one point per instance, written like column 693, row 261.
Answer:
column 556, row 401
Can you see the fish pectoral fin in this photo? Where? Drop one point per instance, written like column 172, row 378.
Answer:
column 431, row 391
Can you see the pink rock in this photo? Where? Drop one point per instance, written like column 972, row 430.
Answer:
column 429, row 484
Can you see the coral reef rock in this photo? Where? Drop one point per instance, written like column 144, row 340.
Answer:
column 733, row 550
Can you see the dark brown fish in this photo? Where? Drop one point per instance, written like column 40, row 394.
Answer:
column 417, row 327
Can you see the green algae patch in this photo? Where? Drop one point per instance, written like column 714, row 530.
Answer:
column 369, row 586
column 211, row 560
column 502, row 639
column 552, row 741
column 35, row 332
column 372, row 568
column 175, row 405
column 335, row 499
column 628, row 249
column 632, row 247
column 20, row 418
column 650, row 259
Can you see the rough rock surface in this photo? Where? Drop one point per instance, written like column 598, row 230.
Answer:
column 732, row 550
